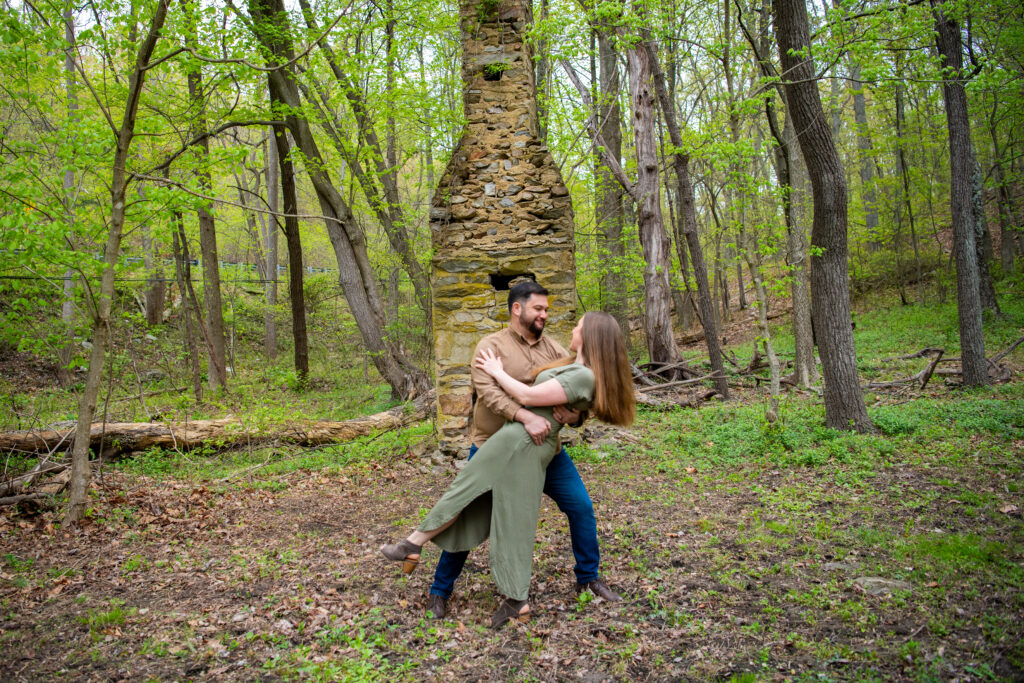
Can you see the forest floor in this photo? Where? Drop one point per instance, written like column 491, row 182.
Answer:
column 743, row 550
column 759, row 568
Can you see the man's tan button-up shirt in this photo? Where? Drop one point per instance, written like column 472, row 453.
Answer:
column 493, row 407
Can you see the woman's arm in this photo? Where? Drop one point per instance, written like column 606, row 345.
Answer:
column 549, row 393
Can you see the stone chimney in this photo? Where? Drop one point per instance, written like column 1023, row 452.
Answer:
column 500, row 212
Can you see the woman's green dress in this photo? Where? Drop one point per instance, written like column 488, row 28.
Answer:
column 497, row 495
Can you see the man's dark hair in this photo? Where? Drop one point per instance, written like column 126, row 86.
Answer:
column 523, row 291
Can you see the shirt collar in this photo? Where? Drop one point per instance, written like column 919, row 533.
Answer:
column 520, row 338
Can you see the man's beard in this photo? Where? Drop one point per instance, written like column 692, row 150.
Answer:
column 536, row 327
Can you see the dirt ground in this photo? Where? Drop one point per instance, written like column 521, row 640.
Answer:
column 174, row 581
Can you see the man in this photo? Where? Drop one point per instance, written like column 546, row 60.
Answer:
column 523, row 347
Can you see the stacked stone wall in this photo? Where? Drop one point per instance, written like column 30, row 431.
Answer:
column 500, row 211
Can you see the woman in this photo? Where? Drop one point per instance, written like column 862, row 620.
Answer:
column 497, row 494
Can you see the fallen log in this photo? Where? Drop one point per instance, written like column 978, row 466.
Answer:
column 121, row 437
column 14, row 500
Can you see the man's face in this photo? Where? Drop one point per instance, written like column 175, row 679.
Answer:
column 533, row 313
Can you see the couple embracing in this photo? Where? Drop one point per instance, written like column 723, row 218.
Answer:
column 527, row 387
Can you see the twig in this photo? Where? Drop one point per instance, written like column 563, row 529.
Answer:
column 14, row 500
column 998, row 357
column 680, row 383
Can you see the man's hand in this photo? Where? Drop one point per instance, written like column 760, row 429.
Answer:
column 536, row 426
column 566, row 415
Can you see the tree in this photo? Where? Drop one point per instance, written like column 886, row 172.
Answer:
column 123, row 133
column 609, row 200
column 358, row 281
column 688, row 217
column 972, row 340
column 293, row 241
column 657, row 320
column 217, row 372
column 844, row 403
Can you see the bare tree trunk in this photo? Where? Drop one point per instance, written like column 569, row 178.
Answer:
column 983, row 239
column 793, row 186
column 844, row 403
column 217, row 371
column 67, row 309
column 866, row 153
column 1006, row 229
column 357, row 279
column 754, row 263
column 657, row 294
column 901, row 165
column 688, row 219
column 183, row 274
column 80, row 474
column 609, row 193
column 270, row 249
column 805, row 365
column 388, row 208
column 293, row 242
column 156, row 291
column 972, row 339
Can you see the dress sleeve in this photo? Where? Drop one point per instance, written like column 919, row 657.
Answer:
column 578, row 382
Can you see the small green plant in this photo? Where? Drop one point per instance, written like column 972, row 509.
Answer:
column 101, row 622
column 486, row 9
column 493, row 72
column 583, row 599
column 17, row 564
column 134, row 562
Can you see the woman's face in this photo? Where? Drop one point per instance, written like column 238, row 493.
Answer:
column 576, row 343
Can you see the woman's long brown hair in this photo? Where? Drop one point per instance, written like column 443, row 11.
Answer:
column 604, row 352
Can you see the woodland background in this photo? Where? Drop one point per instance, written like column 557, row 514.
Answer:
column 222, row 212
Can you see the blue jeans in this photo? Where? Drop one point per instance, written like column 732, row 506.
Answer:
column 563, row 485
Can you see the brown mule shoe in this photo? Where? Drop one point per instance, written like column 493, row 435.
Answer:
column 600, row 589
column 405, row 552
column 510, row 610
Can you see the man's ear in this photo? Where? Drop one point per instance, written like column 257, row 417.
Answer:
column 516, row 310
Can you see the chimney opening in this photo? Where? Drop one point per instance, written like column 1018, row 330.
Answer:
column 502, row 282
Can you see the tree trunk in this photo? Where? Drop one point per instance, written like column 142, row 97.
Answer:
column 794, row 188
column 657, row 294
column 688, row 220
column 609, row 194
column 972, row 340
column 385, row 200
column 80, row 474
column 217, row 371
column 866, row 156
column 754, row 263
column 156, row 291
column 844, row 403
column 357, row 279
column 270, row 249
column 67, row 310
column 127, row 437
column 805, row 365
column 1006, row 229
column 293, row 242
column 983, row 239
column 183, row 274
